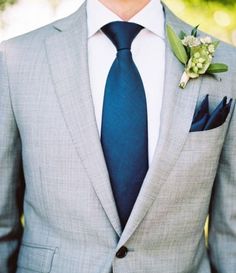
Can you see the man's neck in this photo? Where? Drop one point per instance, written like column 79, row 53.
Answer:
column 125, row 9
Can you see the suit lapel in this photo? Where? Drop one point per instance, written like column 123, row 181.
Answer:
column 67, row 58
column 176, row 116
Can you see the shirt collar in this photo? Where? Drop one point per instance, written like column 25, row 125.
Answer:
column 150, row 17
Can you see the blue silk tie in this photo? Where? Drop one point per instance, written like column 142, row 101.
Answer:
column 124, row 134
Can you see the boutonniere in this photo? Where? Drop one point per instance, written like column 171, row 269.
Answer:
column 196, row 53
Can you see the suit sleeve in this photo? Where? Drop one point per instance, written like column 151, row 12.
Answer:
column 11, row 176
column 222, row 216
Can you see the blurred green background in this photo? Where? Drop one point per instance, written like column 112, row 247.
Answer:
column 5, row 3
column 217, row 17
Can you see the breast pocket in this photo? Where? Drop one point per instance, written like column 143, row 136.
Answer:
column 208, row 140
column 35, row 258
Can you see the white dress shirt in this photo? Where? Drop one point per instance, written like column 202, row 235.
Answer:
column 148, row 50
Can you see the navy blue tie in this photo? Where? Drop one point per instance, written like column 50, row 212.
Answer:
column 124, row 134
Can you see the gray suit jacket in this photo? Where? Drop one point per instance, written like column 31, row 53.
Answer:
column 49, row 141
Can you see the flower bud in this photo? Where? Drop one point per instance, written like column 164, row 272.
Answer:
column 201, row 60
column 200, row 65
column 195, row 69
column 197, row 55
column 211, row 48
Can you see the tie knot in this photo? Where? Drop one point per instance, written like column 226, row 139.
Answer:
column 121, row 33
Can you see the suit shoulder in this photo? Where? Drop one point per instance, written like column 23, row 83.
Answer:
column 230, row 52
column 29, row 38
column 34, row 38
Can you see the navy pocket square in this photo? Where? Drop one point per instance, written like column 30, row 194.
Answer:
column 203, row 120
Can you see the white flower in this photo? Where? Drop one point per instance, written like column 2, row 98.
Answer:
column 191, row 41
column 211, row 48
column 206, row 40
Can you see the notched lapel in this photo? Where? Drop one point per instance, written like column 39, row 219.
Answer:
column 176, row 117
column 67, row 58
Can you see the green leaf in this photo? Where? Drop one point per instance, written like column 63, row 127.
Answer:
column 217, row 68
column 176, row 45
column 194, row 31
column 216, row 43
column 182, row 35
column 188, row 50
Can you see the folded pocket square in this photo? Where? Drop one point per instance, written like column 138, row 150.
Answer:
column 203, row 120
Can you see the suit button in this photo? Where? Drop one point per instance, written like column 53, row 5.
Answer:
column 122, row 252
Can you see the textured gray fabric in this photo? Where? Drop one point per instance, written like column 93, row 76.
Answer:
column 48, row 130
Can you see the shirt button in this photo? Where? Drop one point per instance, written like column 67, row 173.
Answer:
column 122, row 252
